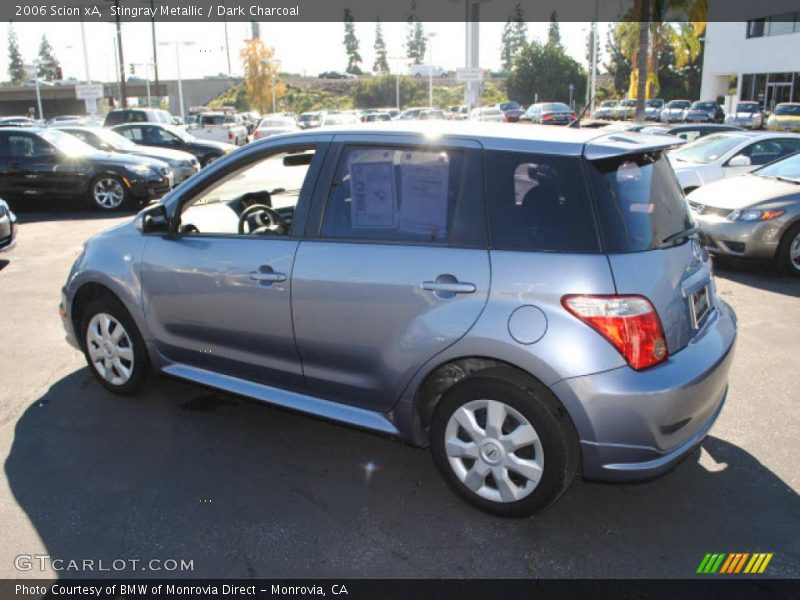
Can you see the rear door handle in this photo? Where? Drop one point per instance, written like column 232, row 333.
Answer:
column 265, row 275
column 449, row 287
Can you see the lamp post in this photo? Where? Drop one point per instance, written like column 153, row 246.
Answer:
column 430, row 37
column 37, row 64
column 178, row 63
column 397, row 61
column 146, row 66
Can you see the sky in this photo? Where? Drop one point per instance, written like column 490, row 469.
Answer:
column 306, row 48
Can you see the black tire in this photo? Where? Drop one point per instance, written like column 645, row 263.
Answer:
column 101, row 180
column 141, row 361
column 559, row 441
column 783, row 256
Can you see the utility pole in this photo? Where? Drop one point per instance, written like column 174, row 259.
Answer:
column 123, row 91
column 472, row 22
column 153, row 41
column 593, row 74
column 430, row 36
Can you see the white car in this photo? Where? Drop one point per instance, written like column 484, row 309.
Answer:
column 340, row 119
column 269, row 126
column 487, row 113
column 219, row 127
column 427, row 71
column 722, row 155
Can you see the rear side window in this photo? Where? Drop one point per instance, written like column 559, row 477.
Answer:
column 538, row 203
column 639, row 202
column 396, row 194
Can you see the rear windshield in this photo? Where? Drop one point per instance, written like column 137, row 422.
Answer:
column 638, row 201
column 788, row 109
column 124, row 116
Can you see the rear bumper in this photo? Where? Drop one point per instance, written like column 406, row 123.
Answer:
column 637, row 425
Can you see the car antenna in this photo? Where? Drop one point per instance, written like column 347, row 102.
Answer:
column 577, row 122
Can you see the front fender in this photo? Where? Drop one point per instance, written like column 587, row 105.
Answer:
column 112, row 259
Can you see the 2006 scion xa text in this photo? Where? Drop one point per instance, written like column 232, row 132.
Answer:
column 529, row 302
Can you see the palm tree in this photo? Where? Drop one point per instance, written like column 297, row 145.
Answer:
column 643, row 45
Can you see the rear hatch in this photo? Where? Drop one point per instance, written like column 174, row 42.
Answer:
column 641, row 215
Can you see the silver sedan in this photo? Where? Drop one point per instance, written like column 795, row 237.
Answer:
column 756, row 215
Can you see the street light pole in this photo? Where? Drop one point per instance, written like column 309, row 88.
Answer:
column 178, row 63
column 430, row 36
column 123, row 92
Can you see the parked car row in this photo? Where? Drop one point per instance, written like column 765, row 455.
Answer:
column 748, row 115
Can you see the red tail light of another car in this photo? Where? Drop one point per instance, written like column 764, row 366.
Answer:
column 629, row 323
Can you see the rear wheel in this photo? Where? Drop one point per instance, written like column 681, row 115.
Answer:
column 113, row 347
column 789, row 250
column 503, row 443
column 108, row 193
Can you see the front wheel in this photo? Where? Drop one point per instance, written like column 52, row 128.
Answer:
column 503, row 443
column 108, row 193
column 113, row 347
column 789, row 250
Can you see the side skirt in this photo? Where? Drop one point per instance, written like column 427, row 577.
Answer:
column 334, row 411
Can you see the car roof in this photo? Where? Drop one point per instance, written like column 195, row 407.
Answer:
column 593, row 143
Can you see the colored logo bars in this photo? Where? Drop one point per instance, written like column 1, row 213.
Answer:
column 742, row 562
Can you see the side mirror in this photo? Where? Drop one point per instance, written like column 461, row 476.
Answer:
column 740, row 160
column 153, row 219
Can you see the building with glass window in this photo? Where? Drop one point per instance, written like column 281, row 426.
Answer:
column 756, row 60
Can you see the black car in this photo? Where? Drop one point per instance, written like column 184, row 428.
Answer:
column 47, row 163
column 704, row 112
column 182, row 164
column 169, row 136
column 8, row 227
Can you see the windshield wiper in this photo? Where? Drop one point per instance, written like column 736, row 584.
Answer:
column 786, row 179
column 680, row 235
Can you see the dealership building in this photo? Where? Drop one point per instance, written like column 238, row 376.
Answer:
column 759, row 58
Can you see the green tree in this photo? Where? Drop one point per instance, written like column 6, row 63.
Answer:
column 515, row 36
column 416, row 43
column 553, row 31
column 381, row 64
column 618, row 65
column 381, row 91
column 546, row 71
column 351, row 44
column 16, row 67
column 48, row 64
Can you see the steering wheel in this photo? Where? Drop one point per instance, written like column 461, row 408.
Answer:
column 259, row 218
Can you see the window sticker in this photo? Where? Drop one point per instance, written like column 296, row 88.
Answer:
column 425, row 190
column 374, row 199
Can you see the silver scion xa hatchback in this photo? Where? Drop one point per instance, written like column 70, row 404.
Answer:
column 528, row 302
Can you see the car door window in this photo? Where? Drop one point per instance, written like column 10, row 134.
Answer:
column 766, row 151
column 394, row 194
column 22, row 145
column 134, row 134
column 537, row 203
column 230, row 206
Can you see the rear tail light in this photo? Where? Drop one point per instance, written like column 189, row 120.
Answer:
column 573, row 116
column 230, row 135
column 256, row 134
column 548, row 118
column 629, row 323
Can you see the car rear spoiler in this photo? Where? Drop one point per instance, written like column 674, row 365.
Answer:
column 619, row 143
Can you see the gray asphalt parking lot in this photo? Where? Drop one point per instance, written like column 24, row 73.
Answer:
column 245, row 490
